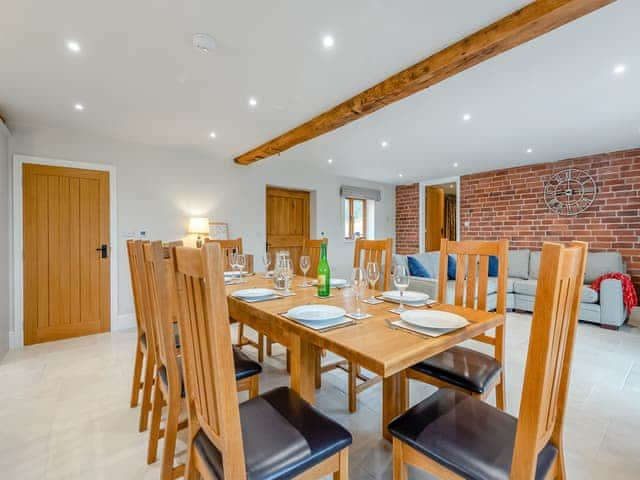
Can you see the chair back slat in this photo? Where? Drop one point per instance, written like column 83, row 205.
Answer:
column 228, row 247
column 378, row 251
column 548, row 365
column 162, row 301
column 483, row 282
column 312, row 249
column 138, row 283
column 207, row 351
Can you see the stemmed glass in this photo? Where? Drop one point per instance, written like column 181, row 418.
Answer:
column 373, row 275
column 401, row 281
column 305, row 265
column 358, row 283
column 266, row 261
column 287, row 271
column 238, row 262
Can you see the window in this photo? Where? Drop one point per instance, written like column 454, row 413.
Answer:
column 355, row 218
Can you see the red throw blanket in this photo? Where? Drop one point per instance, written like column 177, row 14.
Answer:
column 629, row 295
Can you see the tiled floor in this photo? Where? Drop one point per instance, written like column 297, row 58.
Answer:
column 64, row 408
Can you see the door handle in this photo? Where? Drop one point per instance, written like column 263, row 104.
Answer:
column 103, row 249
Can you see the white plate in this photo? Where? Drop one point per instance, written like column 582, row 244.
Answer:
column 253, row 293
column 408, row 296
column 235, row 274
column 433, row 319
column 316, row 313
column 334, row 282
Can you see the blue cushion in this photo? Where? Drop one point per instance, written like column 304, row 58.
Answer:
column 493, row 266
column 451, row 267
column 416, row 269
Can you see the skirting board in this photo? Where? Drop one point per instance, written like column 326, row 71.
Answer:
column 123, row 322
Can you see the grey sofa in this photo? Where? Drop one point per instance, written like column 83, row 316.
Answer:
column 605, row 307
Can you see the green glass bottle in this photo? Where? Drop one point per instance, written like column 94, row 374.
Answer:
column 324, row 273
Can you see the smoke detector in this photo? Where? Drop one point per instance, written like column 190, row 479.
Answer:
column 203, row 42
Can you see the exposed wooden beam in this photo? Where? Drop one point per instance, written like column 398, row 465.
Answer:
column 531, row 21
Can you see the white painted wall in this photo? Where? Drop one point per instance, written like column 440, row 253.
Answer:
column 5, row 235
column 158, row 189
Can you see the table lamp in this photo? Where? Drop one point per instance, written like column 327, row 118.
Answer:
column 199, row 226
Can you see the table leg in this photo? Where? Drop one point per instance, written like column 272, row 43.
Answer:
column 395, row 399
column 303, row 364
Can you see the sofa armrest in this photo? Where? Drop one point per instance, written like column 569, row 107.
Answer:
column 424, row 285
column 612, row 309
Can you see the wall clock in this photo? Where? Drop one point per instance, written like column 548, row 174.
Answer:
column 570, row 191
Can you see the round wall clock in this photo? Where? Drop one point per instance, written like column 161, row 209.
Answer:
column 570, row 191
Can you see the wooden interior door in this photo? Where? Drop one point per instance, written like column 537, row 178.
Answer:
column 66, row 269
column 434, row 221
column 287, row 222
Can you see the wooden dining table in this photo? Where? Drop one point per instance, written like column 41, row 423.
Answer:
column 370, row 343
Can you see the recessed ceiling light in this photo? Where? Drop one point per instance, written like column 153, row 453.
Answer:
column 203, row 42
column 253, row 102
column 327, row 41
column 529, row 150
column 330, row 160
column 466, row 117
column 400, row 175
column 619, row 69
column 384, row 144
column 451, row 186
column 73, row 46
column 79, row 107
column 455, row 165
column 213, row 135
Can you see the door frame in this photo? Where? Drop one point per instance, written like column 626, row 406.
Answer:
column 17, row 334
column 428, row 183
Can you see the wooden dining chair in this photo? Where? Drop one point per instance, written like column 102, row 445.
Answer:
column 144, row 363
column 275, row 435
column 453, row 435
column 169, row 379
column 311, row 248
column 468, row 370
column 228, row 248
column 365, row 251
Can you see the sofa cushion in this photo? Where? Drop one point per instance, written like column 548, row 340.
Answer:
column 525, row 287
column 400, row 260
column 510, row 282
column 451, row 267
column 416, row 269
column 534, row 265
column 519, row 263
column 492, row 287
column 589, row 295
column 599, row 263
column 493, row 266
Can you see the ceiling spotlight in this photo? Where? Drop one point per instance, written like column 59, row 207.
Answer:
column 330, row 160
column 384, row 144
column 327, row 41
column 451, row 186
column 213, row 135
column 619, row 69
column 203, row 42
column 253, row 102
column 455, row 165
column 73, row 46
column 400, row 175
column 466, row 117
column 529, row 150
column 79, row 107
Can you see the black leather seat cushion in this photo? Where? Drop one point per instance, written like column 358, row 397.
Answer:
column 462, row 367
column 162, row 372
column 466, row 435
column 245, row 367
column 283, row 436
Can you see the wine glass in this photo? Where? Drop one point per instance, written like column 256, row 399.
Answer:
column 287, row 271
column 305, row 265
column 358, row 283
column 266, row 261
column 240, row 263
column 401, row 281
column 373, row 275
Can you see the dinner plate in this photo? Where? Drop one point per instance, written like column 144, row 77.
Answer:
column 335, row 282
column 408, row 296
column 254, row 293
column 229, row 274
column 433, row 319
column 316, row 313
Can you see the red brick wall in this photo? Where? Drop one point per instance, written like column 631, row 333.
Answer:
column 509, row 204
column 407, row 218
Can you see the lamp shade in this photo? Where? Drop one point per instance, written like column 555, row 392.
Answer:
column 198, row 225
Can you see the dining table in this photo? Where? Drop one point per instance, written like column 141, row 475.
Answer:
column 371, row 343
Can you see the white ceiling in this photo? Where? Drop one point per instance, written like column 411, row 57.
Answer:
column 141, row 81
